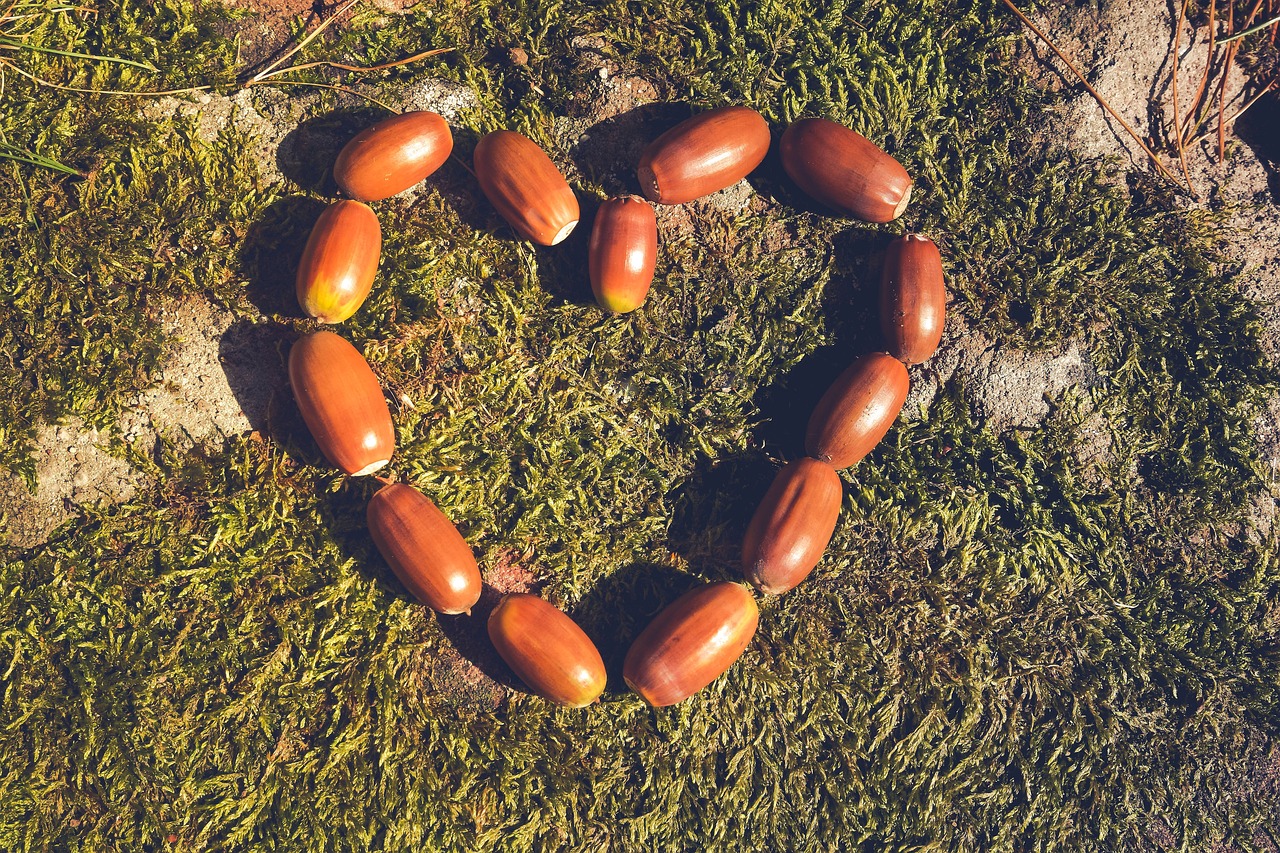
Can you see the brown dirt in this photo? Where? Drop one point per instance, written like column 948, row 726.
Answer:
column 507, row 571
column 268, row 28
column 467, row 669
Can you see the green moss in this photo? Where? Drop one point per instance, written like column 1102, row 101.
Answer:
column 1006, row 648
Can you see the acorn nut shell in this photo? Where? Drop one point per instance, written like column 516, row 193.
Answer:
column 913, row 298
column 340, row 261
column 525, row 187
column 424, row 549
column 342, row 403
column 393, row 155
column 845, row 171
column 792, row 526
column 547, row 649
column 622, row 253
column 703, row 154
column 857, row 410
column 691, row 643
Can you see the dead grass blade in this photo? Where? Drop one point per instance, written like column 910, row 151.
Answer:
column 1269, row 87
column 265, row 76
column 306, row 40
column 268, row 75
column 86, row 91
column 335, row 86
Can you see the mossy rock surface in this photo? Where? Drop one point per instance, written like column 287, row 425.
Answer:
column 1044, row 626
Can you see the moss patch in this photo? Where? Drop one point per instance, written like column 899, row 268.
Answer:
column 1002, row 650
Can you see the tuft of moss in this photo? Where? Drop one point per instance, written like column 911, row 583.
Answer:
column 1007, row 647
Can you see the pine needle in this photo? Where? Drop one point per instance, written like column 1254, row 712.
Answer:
column 1177, row 110
column 264, row 76
column 310, row 37
column 1092, row 91
column 335, row 86
column 1185, row 125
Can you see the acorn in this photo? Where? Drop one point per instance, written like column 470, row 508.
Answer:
column 913, row 298
column 340, row 261
column 857, row 410
column 525, row 187
column 792, row 526
column 342, row 403
column 622, row 253
column 424, row 549
column 703, row 154
column 691, row 643
column 844, row 170
column 393, row 155
column 547, row 649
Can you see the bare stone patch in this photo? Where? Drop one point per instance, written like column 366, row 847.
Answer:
column 1123, row 47
column 217, row 381
column 1007, row 388
column 195, row 403
column 1015, row 389
column 73, row 467
column 288, row 141
column 451, row 100
column 265, row 115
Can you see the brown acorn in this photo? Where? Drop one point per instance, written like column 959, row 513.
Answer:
column 703, row 154
column 547, row 649
column 393, row 155
column 342, row 403
column 792, row 526
column 622, row 253
column 691, row 643
column 913, row 298
column 340, row 261
column 525, row 187
column 424, row 549
column 857, row 410
column 844, row 170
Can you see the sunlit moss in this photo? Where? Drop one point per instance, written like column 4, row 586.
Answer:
column 1002, row 651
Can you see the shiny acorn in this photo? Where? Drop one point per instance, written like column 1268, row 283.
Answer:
column 703, row 154
column 547, row 649
column 691, row 643
column 844, row 170
column 342, row 403
column 792, row 526
column 393, row 155
column 339, row 262
column 857, row 410
column 424, row 549
column 913, row 298
column 622, row 253
column 525, row 187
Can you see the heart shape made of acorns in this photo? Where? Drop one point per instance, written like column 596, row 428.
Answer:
column 700, row 635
